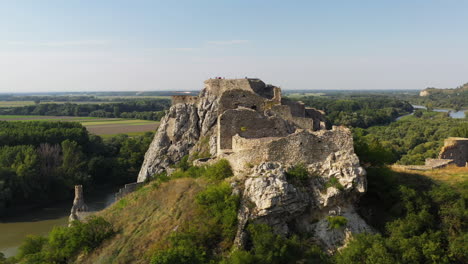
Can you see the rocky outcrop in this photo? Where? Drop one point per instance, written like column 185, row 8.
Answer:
column 263, row 136
column 179, row 131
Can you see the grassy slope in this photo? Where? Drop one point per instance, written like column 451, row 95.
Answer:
column 451, row 175
column 145, row 218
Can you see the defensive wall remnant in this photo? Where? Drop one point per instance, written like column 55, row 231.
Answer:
column 454, row 152
column 456, row 149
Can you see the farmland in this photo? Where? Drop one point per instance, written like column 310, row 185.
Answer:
column 105, row 127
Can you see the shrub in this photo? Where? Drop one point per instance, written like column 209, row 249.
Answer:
column 334, row 182
column 221, row 206
column 336, row 222
column 267, row 247
column 218, row 171
column 31, row 245
column 298, row 174
column 183, row 250
column 63, row 244
column 213, row 227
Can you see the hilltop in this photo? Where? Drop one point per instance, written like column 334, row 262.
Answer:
column 456, row 98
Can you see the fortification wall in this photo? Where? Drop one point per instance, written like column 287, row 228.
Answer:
column 248, row 124
column 308, row 147
column 239, row 143
column 218, row 86
column 331, row 148
column 128, row 188
column 233, row 99
column 297, row 108
column 455, row 149
column 303, row 122
column 318, row 116
column 438, row 163
column 184, row 99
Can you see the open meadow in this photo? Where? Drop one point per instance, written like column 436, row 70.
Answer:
column 105, row 127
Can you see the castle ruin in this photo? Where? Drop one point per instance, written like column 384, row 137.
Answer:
column 262, row 135
column 251, row 113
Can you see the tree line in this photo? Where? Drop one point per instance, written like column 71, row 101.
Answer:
column 359, row 111
column 149, row 109
column 42, row 161
column 409, row 141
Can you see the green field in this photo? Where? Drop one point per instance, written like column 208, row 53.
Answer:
column 298, row 95
column 26, row 103
column 105, row 127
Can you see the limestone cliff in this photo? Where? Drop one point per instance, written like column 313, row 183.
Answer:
column 263, row 136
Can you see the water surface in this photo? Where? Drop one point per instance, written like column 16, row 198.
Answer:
column 14, row 229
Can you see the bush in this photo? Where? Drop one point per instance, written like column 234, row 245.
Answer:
column 267, row 247
column 334, row 182
column 63, row 244
column 211, row 230
column 183, row 250
column 221, row 206
column 336, row 222
column 218, row 171
column 298, row 174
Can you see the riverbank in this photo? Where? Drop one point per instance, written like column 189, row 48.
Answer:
column 452, row 113
column 40, row 221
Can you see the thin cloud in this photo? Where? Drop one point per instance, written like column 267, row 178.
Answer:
column 184, row 49
column 228, row 42
column 59, row 43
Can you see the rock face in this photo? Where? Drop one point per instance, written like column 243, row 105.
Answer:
column 263, row 136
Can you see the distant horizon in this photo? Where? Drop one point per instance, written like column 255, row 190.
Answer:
column 175, row 91
column 83, row 45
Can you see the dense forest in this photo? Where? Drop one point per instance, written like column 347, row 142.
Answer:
column 148, row 109
column 419, row 220
column 89, row 96
column 357, row 111
column 449, row 98
column 42, row 161
column 410, row 140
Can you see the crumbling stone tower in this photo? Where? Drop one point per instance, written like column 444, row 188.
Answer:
column 79, row 205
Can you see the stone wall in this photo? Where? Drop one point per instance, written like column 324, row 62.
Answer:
column 233, row 99
column 248, row 124
column 438, row 163
column 218, row 86
column 455, row 149
column 128, row 188
column 318, row 116
column 239, row 143
column 297, row 108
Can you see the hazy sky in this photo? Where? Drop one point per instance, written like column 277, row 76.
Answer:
column 90, row 45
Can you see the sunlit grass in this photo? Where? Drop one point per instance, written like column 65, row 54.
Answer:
column 452, row 175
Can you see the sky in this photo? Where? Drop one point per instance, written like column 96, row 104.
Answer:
column 114, row 45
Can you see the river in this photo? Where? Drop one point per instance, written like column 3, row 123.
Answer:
column 14, row 229
column 452, row 113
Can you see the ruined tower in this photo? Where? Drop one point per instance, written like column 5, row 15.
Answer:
column 79, row 205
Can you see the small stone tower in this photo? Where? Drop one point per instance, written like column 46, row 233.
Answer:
column 79, row 205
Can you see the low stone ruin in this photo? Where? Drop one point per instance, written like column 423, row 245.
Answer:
column 454, row 152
